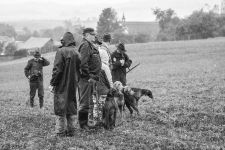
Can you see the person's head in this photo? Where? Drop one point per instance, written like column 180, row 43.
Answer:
column 107, row 38
column 37, row 54
column 89, row 34
column 98, row 40
column 68, row 39
column 121, row 48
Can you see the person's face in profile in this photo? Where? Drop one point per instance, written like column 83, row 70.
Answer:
column 90, row 37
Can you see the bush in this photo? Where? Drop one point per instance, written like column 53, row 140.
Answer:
column 121, row 37
column 142, row 38
column 10, row 49
column 21, row 53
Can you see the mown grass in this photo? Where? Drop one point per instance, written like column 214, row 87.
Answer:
column 187, row 79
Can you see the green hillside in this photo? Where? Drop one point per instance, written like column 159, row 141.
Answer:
column 187, row 79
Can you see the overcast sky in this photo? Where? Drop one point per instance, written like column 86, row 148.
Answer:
column 134, row 10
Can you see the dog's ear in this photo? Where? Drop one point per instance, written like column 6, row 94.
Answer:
column 111, row 92
column 148, row 93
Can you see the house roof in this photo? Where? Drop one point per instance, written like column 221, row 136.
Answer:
column 34, row 42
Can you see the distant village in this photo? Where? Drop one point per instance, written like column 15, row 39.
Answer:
column 48, row 44
column 45, row 35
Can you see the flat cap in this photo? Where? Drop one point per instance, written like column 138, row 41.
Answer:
column 88, row 30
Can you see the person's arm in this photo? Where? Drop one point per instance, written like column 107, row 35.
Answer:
column 115, row 62
column 84, row 57
column 108, row 75
column 58, row 68
column 45, row 61
column 27, row 69
column 127, row 62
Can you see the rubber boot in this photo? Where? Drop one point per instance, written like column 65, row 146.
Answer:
column 71, row 121
column 83, row 120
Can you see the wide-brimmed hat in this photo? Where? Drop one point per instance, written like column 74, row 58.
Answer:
column 121, row 47
column 107, row 37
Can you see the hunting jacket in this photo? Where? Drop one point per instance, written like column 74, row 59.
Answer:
column 90, row 66
column 35, row 68
column 117, row 68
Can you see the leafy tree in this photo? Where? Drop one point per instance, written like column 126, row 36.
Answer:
column 7, row 30
column 107, row 21
column 36, row 34
column 183, row 30
column 10, row 49
column 167, row 23
column 58, row 32
column 47, row 33
column 23, row 37
column 164, row 17
column 142, row 38
column 1, row 47
column 202, row 24
column 68, row 25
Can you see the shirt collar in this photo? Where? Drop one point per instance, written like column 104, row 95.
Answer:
column 105, row 45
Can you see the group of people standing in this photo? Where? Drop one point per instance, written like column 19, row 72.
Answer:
column 90, row 69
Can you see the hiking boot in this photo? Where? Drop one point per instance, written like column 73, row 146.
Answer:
column 60, row 126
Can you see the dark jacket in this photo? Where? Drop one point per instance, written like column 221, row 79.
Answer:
column 90, row 61
column 34, row 69
column 65, row 77
column 103, row 84
column 118, row 71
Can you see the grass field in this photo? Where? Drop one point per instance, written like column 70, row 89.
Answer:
column 188, row 112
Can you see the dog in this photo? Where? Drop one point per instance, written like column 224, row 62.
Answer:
column 132, row 96
column 138, row 93
column 119, row 97
column 110, row 110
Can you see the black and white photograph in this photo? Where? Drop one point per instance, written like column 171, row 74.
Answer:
column 112, row 75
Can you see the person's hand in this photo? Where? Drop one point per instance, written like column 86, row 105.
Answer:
column 41, row 58
column 122, row 62
column 51, row 88
column 91, row 80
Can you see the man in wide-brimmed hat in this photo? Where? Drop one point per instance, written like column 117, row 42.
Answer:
column 120, row 61
column 33, row 71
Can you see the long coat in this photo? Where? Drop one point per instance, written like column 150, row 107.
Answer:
column 119, row 71
column 65, row 80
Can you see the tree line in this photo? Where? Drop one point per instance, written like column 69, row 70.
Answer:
column 199, row 25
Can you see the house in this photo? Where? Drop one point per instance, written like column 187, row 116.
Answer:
column 44, row 45
column 140, row 27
